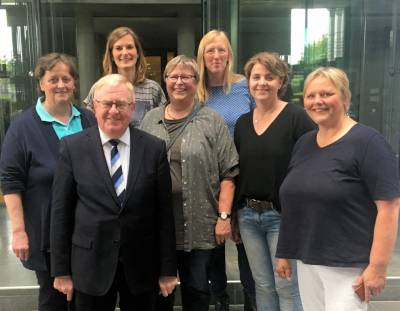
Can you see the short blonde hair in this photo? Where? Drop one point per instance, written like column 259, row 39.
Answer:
column 113, row 80
column 185, row 61
column 274, row 64
column 108, row 63
column 229, row 75
column 336, row 76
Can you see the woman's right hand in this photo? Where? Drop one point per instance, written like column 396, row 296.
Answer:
column 284, row 268
column 20, row 244
column 65, row 285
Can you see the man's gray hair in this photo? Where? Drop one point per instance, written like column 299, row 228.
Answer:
column 113, row 80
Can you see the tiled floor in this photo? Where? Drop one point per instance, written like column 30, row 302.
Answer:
column 11, row 271
column 12, row 274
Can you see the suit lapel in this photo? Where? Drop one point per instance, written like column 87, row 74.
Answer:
column 96, row 149
column 135, row 160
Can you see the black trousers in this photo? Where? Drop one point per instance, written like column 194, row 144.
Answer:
column 50, row 299
column 193, row 270
column 127, row 301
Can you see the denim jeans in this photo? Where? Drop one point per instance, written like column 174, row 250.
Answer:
column 246, row 278
column 259, row 232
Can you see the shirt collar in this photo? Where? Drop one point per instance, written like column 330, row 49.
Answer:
column 125, row 138
column 45, row 116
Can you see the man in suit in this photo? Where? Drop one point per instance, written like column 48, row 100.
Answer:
column 112, row 226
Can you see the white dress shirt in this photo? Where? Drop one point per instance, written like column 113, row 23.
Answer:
column 123, row 149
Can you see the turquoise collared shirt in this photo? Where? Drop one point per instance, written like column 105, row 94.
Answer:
column 74, row 124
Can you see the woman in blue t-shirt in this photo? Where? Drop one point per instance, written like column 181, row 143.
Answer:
column 340, row 202
column 226, row 92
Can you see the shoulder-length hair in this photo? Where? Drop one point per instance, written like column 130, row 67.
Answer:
column 108, row 63
column 229, row 76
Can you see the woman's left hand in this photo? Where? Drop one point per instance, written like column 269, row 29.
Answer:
column 374, row 279
column 235, row 231
column 222, row 230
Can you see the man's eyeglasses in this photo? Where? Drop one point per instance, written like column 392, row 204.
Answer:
column 120, row 105
column 184, row 78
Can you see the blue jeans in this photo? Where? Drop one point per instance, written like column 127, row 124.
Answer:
column 259, row 232
column 246, row 278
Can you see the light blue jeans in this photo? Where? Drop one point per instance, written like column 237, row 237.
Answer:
column 259, row 232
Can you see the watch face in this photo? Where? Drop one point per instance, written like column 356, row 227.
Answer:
column 224, row 215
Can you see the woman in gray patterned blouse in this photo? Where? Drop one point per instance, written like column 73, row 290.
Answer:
column 203, row 162
column 124, row 55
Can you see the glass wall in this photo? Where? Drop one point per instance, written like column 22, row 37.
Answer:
column 359, row 36
column 17, row 54
column 32, row 28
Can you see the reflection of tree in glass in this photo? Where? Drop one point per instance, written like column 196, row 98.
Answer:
column 316, row 53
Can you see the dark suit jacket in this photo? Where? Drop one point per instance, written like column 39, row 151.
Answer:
column 28, row 161
column 90, row 232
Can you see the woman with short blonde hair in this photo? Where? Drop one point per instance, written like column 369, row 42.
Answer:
column 349, row 202
column 203, row 162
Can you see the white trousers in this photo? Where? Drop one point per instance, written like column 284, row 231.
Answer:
column 325, row 288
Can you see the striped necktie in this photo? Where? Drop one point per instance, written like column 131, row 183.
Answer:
column 116, row 171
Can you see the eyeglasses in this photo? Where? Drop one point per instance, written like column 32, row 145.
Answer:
column 184, row 79
column 212, row 51
column 120, row 105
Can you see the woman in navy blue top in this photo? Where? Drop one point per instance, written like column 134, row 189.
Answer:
column 340, row 202
column 27, row 165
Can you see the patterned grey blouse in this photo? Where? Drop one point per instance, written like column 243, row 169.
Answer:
column 208, row 156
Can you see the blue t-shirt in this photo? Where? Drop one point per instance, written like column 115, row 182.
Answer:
column 74, row 125
column 327, row 197
column 232, row 105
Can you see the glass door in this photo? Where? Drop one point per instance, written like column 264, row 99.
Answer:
column 18, row 52
column 359, row 36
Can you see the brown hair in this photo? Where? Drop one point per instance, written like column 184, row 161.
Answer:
column 48, row 61
column 108, row 63
column 229, row 76
column 274, row 65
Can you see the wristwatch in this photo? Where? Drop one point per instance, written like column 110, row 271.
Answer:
column 224, row 215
